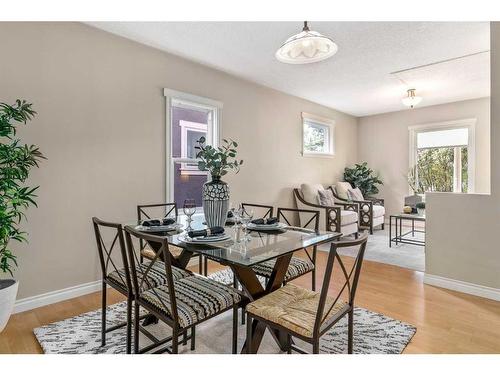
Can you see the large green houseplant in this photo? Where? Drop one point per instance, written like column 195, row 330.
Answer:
column 16, row 161
column 362, row 177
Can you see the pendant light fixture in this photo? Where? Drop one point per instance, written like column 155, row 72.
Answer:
column 306, row 47
column 411, row 100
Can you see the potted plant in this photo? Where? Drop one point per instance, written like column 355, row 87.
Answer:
column 218, row 161
column 362, row 177
column 421, row 208
column 16, row 161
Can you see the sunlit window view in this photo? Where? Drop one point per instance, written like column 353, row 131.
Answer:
column 317, row 138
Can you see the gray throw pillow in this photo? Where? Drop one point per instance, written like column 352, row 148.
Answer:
column 356, row 194
column 326, row 198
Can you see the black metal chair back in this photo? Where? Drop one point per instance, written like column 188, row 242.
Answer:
column 351, row 278
column 155, row 211
column 108, row 265
column 309, row 218
column 140, row 282
column 260, row 210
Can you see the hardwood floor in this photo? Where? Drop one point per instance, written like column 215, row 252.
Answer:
column 446, row 321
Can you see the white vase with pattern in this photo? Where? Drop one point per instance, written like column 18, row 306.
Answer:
column 215, row 198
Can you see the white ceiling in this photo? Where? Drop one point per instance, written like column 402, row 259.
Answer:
column 357, row 79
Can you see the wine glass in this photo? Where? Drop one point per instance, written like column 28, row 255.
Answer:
column 189, row 209
column 246, row 215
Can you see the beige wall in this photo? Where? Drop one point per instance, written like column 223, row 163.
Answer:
column 462, row 230
column 101, row 125
column 383, row 141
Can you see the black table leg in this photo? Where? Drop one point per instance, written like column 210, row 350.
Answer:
column 390, row 230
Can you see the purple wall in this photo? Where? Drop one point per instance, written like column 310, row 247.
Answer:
column 185, row 186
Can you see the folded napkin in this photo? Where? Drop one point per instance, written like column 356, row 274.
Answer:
column 206, row 232
column 157, row 222
column 269, row 221
column 230, row 214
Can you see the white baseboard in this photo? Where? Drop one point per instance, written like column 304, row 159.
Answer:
column 462, row 286
column 33, row 302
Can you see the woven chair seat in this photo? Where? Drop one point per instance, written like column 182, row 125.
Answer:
column 148, row 253
column 197, row 298
column 155, row 277
column 296, row 268
column 293, row 308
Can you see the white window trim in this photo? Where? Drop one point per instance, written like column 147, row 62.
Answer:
column 469, row 123
column 322, row 121
column 189, row 99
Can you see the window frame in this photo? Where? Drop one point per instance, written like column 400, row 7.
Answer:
column 173, row 97
column 470, row 125
column 186, row 168
column 330, row 124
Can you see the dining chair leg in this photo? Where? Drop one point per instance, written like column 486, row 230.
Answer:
column 350, row 331
column 185, row 338
column 200, row 265
column 193, row 337
column 316, row 346
column 243, row 313
column 129, row 325
column 175, row 341
column 235, row 329
column 206, row 267
column 103, row 315
column 313, row 281
column 289, row 344
column 136, row 327
column 249, row 334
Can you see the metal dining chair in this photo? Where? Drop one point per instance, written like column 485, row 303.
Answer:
column 298, row 266
column 109, row 236
column 149, row 211
column 181, row 304
column 308, row 315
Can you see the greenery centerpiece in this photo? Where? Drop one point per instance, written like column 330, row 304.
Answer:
column 362, row 177
column 16, row 161
column 218, row 161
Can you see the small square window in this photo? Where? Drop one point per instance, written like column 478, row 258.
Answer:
column 317, row 137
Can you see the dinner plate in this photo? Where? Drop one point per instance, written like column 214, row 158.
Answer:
column 264, row 227
column 159, row 228
column 200, row 240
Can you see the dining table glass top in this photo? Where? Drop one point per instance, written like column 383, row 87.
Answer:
column 256, row 247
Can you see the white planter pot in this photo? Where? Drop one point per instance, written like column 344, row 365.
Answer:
column 8, row 293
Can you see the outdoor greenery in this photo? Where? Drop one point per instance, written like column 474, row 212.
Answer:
column 362, row 177
column 218, row 160
column 434, row 170
column 314, row 139
column 16, row 161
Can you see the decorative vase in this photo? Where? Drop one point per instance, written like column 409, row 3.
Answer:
column 421, row 211
column 215, row 196
column 8, row 293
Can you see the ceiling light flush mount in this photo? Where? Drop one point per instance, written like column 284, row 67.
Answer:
column 411, row 100
column 306, row 47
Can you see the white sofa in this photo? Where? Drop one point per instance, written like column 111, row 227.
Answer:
column 342, row 218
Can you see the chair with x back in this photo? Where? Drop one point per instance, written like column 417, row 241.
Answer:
column 259, row 210
column 180, row 303
column 306, row 314
column 116, row 272
column 298, row 266
column 153, row 211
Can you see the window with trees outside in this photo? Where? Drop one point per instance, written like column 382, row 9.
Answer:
column 443, row 158
column 317, row 136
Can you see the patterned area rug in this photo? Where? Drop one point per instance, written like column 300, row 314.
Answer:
column 373, row 334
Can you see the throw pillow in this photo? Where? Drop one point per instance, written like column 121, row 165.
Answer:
column 326, row 198
column 310, row 192
column 342, row 188
column 356, row 194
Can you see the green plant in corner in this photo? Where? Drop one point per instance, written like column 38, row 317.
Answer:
column 16, row 161
column 363, row 177
column 217, row 160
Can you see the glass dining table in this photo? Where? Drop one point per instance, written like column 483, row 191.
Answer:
column 243, row 251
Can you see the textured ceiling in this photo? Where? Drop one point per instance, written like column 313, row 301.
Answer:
column 357, row 79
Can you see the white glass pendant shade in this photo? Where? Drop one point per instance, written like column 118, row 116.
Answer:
column 411, row 100
column 306, row 47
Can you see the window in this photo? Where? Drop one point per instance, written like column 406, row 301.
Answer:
column 189, row 118
column 442, row 156
column 317, row 136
